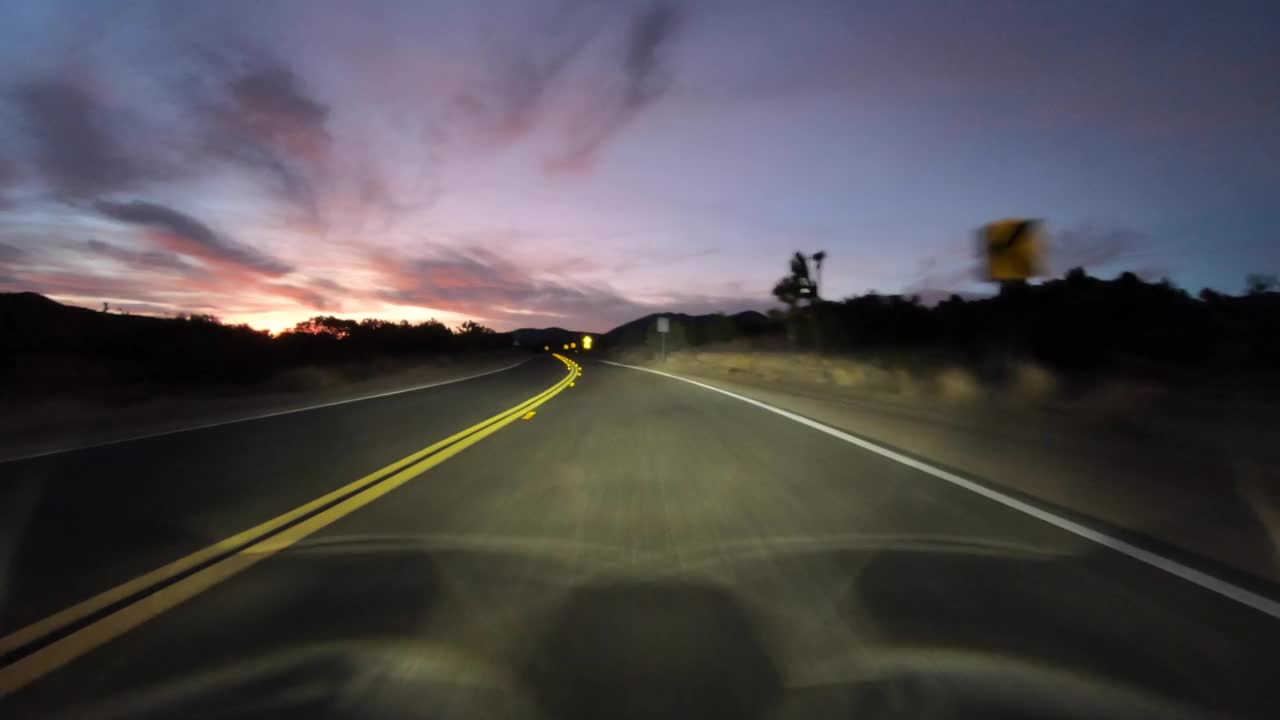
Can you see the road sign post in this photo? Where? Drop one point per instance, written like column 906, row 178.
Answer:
column 1013, row 252
column 664, row 327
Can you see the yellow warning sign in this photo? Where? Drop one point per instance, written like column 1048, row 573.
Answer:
column 1013, row 249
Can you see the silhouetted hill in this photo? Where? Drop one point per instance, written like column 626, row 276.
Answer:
column 32, row 322
column 694, row 329
column 45, row 341
column 46, row 346
column 29, row 317
column 553, row 337
column 1078, row 323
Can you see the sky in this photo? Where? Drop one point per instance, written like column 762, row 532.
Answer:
column 580, row 164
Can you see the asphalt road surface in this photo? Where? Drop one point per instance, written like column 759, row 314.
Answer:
column 628, row 545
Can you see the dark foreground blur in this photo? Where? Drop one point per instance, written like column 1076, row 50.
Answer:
column 913, row 628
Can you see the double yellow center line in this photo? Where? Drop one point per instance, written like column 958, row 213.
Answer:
column 164, row 588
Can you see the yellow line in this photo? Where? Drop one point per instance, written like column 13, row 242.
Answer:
column 56, row 654
column 87, row 607
column 529, row 415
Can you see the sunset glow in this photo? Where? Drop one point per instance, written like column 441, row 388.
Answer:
column 573, row 164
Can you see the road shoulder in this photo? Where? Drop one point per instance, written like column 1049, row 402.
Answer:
column 1089, row 474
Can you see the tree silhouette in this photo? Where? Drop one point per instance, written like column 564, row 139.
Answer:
column 1258, row 283
column 800, row 268
column 788, row 291
column 794, row 288
column 471, row 327
column 818, row 258
column 326, row 326
column 798, row 285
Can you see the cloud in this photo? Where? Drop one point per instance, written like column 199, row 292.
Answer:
column 641, row 81
column 147, row 291
column 8, row 178
column 76, row 285
column 9, row 253
column 74, row 146
column 1097, row 248
column 649, row 30
column 941, row 276
column 154, row 259
column 454, row 279
column 275, row 105
column 327, row 284
column 308, row 298
column 522, row 71
column 188, row 236
column 143, row 308
column 481, row 284
column 262, row 118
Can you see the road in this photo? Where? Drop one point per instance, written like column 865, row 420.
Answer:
column 627, row 541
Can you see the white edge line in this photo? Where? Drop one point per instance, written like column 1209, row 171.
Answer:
column 1204, row 580
column 175, row 431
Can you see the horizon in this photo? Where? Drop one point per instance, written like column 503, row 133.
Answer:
column 777, row 306
column 181, row 314
column 573, row 165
